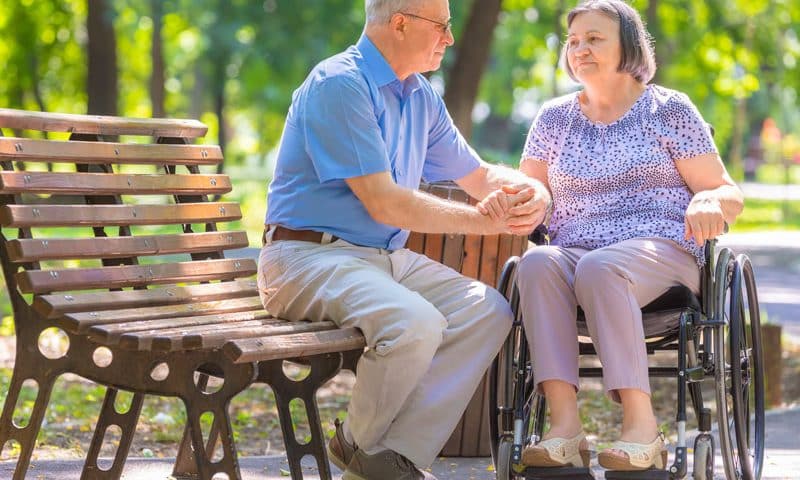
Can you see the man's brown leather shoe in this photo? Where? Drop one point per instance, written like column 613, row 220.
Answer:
column 384, row 465
column 340, row 450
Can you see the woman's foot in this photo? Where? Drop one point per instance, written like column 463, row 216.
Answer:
column 557, row 451
column 627, row 455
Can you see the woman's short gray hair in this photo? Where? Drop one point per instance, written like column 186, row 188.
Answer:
column 381, row 11
column 636, row 46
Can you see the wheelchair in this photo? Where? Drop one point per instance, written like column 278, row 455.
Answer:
column 717, row 338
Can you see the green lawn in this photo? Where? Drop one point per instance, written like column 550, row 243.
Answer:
column 768, row 215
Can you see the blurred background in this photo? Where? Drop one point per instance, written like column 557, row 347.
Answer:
column 234, row 63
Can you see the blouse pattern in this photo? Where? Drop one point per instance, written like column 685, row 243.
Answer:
column 617, row 181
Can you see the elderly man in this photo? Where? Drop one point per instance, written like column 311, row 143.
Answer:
column 363, row 129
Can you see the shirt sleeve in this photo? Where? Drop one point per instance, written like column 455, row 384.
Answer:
column 449, row 156
column 687, row 134
column 539, row 144
column 342, row 136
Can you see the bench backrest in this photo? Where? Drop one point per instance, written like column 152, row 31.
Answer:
column 94, row 213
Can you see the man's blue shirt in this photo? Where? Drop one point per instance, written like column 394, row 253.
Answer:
column 352, row 117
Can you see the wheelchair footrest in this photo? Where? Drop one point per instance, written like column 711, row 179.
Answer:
column 566, row 473
column 652, row 474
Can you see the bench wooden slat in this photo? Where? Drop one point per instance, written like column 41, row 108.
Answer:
column 112, row 184
column 46, row 281
column 100, row 125
column 215, row 336
column 112, row 323
column 292, row 346
column 35, row 249
column 107, row 152
column 168, row 339
column 57, row 305
column 25, row 216
column 212, row 318
column 218, row 337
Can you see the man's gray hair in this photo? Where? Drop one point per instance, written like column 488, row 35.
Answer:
column 381, row 11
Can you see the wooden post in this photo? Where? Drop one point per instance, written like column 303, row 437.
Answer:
column 773, row 363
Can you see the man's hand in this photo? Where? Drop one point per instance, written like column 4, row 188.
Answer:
column 521, row 207
column 704, row 219
column 496, row 204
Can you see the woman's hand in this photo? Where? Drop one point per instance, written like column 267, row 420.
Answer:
column 705, row 219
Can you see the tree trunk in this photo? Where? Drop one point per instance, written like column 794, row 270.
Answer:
column 655, row 31
column 102, row 84
column 197, row 106
column 464, row 78
column 157, row 56
column 736, row 153
column 219, row 109
column 559, row 32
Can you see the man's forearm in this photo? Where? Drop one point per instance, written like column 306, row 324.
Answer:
column 489, row 178
column 421, row 212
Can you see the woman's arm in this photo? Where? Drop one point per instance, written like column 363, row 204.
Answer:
column 717, row 199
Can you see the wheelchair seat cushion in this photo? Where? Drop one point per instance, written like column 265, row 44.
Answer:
column 660, row 316
column 678, row 297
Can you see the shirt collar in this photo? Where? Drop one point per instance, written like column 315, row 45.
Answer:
column 380, row 70
column 375, row 64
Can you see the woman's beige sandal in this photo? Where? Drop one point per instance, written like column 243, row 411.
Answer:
column 558, row 452
column 635, row 456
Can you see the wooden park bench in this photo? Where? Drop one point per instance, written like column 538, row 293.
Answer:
column 114, row 246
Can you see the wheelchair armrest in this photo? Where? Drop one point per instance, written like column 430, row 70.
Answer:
column 539, row 235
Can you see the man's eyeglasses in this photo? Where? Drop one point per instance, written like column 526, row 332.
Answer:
column 443, row 28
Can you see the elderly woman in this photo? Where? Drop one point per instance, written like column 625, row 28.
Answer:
column 637, row 186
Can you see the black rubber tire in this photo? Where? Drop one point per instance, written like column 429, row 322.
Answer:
column 747, row 371
column 703, row 467
column 502, row 466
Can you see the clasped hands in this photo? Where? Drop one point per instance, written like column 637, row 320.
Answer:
column 515, row 209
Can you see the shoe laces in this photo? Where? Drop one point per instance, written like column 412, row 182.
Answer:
column 404, row 464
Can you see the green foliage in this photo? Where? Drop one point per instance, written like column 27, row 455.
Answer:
column 252, row 55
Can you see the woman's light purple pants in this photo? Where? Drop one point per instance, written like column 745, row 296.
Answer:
column 611, row 284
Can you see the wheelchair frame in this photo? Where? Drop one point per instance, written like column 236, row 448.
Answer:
column 721, row 341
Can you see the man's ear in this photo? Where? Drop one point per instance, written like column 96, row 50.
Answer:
column 398, row 24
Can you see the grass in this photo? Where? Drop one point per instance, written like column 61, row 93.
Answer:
column 768, row 215
column 776, row 174
column 75, row 404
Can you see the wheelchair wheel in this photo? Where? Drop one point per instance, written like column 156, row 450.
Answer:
column 739, row 369
column 703, row 468
column 510, row 400
column 511, row 394
column 502, row 465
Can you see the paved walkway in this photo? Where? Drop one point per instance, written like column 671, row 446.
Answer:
column 782, row 461
column 764, row 191
column 776, row 263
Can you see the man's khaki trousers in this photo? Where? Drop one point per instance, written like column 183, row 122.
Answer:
column 431, row 334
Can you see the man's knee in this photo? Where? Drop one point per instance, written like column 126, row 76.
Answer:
column 493, row 315
column 418, row 325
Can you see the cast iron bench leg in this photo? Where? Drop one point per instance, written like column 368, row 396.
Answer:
column 25, row 436
column 109, row 416
column 323, row 368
